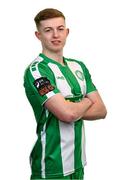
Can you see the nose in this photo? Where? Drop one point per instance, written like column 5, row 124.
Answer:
column 55, row 33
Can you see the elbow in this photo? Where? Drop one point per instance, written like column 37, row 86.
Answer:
column 103, row 113
column 68, row 117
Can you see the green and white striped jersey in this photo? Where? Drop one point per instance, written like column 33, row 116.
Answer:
column 60, row 147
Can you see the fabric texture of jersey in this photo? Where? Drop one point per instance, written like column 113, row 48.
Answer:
column 60, row 147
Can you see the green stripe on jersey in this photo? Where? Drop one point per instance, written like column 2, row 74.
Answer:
column 53, row 149
column 78, row 150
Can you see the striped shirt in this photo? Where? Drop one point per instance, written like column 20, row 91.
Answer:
column 60, row 147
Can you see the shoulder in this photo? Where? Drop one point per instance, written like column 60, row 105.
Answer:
column 35, row 63
column 35, row 66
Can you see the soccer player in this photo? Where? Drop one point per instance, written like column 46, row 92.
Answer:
column 62, row 95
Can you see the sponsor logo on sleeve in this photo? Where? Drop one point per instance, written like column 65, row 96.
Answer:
column 43, row 86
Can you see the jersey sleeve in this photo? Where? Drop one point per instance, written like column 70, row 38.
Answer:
column 90, row 87
column 41, row 85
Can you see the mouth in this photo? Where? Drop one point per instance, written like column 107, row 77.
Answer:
column 56, row 42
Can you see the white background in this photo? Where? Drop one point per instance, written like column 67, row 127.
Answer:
column 95, row 38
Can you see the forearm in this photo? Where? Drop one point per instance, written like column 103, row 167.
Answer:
column 78, row 109
column 65, row 110
column 95, row 112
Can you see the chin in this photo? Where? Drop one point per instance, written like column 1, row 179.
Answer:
column 57, row 49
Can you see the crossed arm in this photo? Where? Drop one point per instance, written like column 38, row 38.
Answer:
column 97, row 110
column 89, row 108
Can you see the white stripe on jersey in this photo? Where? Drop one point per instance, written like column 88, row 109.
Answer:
column 84, row 162
column 43, row 141
column 62, row 84
column 66, row 129
column 74, row 66
column 67, row 146
column 36, row 73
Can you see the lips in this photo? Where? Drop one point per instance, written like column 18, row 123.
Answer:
column 56, row 42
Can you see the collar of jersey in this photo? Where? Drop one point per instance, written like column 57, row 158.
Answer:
column 52, row 60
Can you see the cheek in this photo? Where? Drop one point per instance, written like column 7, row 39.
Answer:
column 64, row 37
column 48, row 38
column 45, row 39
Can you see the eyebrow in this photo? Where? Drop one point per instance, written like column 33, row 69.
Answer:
column 49, row 27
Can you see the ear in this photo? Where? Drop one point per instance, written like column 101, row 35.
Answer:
column 37, row 34
column 67, row 31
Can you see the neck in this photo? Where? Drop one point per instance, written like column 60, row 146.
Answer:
column 57, row 56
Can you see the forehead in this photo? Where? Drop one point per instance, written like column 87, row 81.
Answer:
column 53, row 22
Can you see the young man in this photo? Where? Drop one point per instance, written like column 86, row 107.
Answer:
column 62, row 95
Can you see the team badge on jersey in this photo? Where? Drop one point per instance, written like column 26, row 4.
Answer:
column 79, row 74
column 43, row 85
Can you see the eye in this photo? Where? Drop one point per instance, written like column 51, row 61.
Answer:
column 47, row 30
column 61, row 29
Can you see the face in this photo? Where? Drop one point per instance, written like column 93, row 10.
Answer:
column 52, row 34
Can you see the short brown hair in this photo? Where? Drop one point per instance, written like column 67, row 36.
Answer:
column 47, row 13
